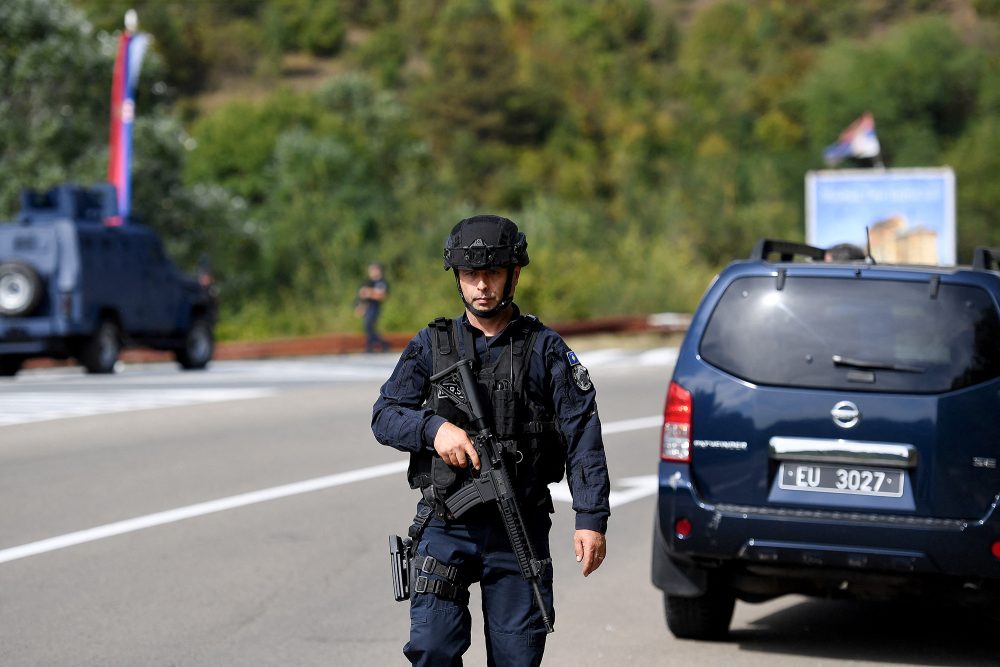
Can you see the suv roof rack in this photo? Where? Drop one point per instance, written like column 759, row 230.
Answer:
column 986, row 259
column 788, row 250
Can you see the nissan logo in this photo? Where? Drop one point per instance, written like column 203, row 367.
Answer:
column 845, row 414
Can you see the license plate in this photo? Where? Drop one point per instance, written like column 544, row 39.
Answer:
column 841, row 479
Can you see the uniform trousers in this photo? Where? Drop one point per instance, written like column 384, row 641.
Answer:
column 373, row 340
column 477, row 544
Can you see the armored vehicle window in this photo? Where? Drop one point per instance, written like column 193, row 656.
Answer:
column 853, row 334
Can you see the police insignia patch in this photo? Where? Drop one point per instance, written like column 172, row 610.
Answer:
column 582, row 378
column 580, row 374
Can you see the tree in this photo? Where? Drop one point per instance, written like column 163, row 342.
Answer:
column 55, row 79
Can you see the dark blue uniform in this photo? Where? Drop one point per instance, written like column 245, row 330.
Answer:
column 476, row 543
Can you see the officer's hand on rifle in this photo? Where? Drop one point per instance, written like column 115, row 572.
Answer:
column 590, row 548
column 455, row 447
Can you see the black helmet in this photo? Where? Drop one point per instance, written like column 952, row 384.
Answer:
column 485, row 241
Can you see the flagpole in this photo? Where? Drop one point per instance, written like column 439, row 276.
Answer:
column 131, row 49
column 115, row 148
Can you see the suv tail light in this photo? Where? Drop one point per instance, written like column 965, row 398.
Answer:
column 675, row 443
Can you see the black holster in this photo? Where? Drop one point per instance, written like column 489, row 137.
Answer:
column 399, row 564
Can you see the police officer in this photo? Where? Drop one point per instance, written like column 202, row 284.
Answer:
column 545, row 416
column 370, row 297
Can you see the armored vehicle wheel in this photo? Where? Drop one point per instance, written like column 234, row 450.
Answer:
column 100, row 352
column 199, row 344
column 9, row 365
column 704, row 617
column 20, row 289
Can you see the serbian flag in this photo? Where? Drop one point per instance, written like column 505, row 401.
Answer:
column 858, row 140
column 131, row 49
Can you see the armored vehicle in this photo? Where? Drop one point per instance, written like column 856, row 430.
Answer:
column 75, row 285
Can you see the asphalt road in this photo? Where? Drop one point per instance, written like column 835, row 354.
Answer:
column 239, row 516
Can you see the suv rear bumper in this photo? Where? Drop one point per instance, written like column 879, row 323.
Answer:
column 809, row 544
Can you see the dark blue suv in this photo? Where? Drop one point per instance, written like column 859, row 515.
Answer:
column 831, row 429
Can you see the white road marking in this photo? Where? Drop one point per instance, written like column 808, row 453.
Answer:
column 637, row 487
column 26, row 407
column 199, row 509
column 662, row 356
column 631, row 424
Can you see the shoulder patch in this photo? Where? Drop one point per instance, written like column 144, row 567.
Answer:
column 581, row 376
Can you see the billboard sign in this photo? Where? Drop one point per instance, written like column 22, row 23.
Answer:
column 909, row 214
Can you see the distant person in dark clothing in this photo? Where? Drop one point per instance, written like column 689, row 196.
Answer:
column 370, row 298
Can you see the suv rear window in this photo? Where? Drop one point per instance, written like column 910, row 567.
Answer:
column 854, row 334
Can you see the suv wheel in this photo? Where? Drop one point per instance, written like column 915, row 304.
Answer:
column 10, row 365
column 100, row 352
column 199, row 344
column 704, row 617
column 20, row 289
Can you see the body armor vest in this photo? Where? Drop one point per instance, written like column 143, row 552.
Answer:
column 521, row 422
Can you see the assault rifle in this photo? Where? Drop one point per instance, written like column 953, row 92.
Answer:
column 491, row 483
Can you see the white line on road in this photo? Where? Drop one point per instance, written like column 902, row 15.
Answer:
column 638, row 488
column 631, row 425
column 27, row 407
column 634, row 489
column 199, row 509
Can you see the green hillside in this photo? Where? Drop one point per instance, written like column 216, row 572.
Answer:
column 640, row 144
